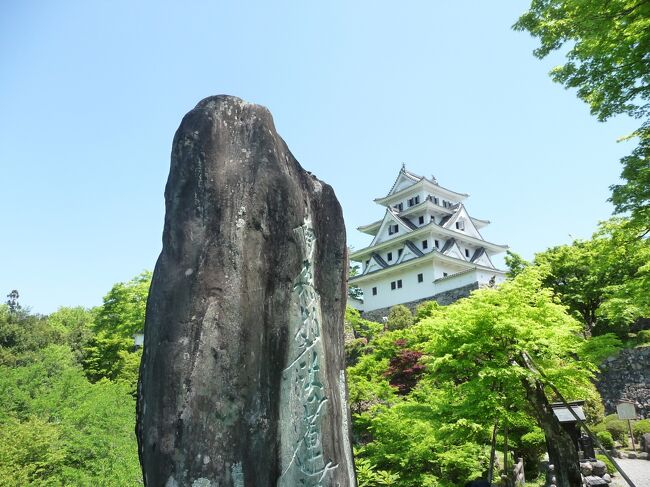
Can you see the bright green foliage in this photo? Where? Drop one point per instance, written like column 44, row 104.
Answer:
column 368, row 476
column 532, row 446
column 607, row 59
column 111, row 357
column 124, row 307
column 599, row 348
column 56, row 428
column 399, row 317
column 601, row 280
column 639, row 428
column 439, row 433
column 426, row 309
column 361, row 327
column 21, row 334
column 516, row 263
column 616, row 427
column 32, row 452
column 110, row 353
column 634, row 195
column 607, row 44
column 605, row 438
column 76, row 327
column 363, row 332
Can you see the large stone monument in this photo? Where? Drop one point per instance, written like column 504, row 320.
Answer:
column 242, row 379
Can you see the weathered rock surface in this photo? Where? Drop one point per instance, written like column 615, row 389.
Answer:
column 626, row 377
column 242, row 378
column 598, row 468
column 592, row 480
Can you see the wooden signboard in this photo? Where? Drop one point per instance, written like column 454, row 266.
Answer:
column 626, row 410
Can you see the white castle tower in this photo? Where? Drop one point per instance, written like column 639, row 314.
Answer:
column 426, row 247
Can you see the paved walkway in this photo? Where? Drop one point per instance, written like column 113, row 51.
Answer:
column 637, row 470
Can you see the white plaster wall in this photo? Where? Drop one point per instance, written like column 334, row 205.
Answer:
column 441, row 268
column 403, row 184
column 410, row 291
column 454, row 282
column 355, row 303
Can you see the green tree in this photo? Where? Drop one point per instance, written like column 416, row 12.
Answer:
column 516, row 263
column 123, row 310
column 606, row 44
column 76, row 326
column 592, row 276
column 474, row 377
column 22, row 334
column 110, row 353
column 56, row 428
column 32, row 452
column 399, row 317
column 12, row 301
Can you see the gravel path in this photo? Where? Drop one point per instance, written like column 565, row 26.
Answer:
column 637, row 470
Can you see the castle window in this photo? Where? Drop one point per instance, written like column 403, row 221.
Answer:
column 466, row 252
column 420, row 278
column 437, row 243
column 421, row 220
column 425, row 244
column 399, row 253
column 436, row 200
column 392, row 229
column 374, row 291
column 399, row 283
column 460, row 225
column 389, row 256
column 392, row 286
column 410, row 201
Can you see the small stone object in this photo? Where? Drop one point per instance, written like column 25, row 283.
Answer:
column 631, row 455
column 607, row 478
column 594, row 480
column 586, row 468
column 645, row 442
column 598, row 468
column 643, row 455
column 242, row 381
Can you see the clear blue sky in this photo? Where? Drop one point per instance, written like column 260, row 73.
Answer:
column 92, row 92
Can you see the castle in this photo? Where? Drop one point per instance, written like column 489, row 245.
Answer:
column 426, row 247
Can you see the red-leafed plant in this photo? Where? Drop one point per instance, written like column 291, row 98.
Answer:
column 404, row 369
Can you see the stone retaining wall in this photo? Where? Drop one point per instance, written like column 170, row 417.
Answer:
column 443, row 298
column 626, row 376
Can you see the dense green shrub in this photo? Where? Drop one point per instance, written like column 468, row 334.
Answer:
column 639, row 428
column 605, row 438
column 399, row 317
column 532, row 446
column 617, row 427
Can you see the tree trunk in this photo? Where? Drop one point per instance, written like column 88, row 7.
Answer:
column 561, row 450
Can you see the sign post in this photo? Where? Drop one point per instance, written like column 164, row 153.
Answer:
column 626, row 410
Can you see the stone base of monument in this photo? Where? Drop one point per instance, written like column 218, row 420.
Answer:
column 594, row 472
